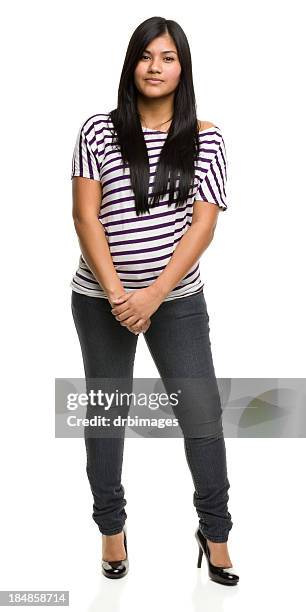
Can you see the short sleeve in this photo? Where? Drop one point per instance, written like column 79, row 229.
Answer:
column 84, row 160
column 213, row 185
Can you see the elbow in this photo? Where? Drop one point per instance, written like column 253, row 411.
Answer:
column 77, row 223
column 81, row 225
column 87, row 222
column 83, row 220
column 209, row 233
column 204, row 229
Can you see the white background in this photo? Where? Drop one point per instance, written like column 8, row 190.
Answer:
column 61, row 63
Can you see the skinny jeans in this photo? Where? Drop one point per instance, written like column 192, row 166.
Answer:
column 179, row 343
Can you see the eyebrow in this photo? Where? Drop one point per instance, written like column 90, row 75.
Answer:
column 169, row 51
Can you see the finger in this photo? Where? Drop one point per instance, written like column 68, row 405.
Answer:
column 139, row 325
column 130, row 321
column 123, row 316
column 116, row 301
column 122, row 298
column 134, row 331
column 120, row 308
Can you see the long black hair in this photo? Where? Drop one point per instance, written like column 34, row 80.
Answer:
column 181, row 147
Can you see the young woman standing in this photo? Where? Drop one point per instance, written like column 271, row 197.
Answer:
column 141, row 234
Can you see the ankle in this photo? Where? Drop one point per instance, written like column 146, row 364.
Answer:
column 113, row 547
column 113, row 537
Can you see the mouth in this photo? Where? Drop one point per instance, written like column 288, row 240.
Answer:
column 154, row 80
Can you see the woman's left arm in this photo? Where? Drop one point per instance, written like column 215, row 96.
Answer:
column 190, row 248
column 142, row 303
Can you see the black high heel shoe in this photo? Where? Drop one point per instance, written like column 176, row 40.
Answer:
column 222, row 575
column 116, row 569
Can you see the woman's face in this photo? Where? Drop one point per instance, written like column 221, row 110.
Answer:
column 159, row 61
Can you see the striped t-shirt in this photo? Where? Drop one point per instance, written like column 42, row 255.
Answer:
column 142, row 246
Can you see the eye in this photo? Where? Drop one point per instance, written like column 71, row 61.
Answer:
column 168, row 58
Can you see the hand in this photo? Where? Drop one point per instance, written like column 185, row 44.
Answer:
column 135, row 328
column 138, row 329
column 134, row 308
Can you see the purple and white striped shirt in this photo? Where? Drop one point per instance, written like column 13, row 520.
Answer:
column 142, row 246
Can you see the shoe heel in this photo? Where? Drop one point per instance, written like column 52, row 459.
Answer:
column 200, row 557
column 217, row 574
column 117, row 569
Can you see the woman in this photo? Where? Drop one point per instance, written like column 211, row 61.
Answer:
column 141, row 234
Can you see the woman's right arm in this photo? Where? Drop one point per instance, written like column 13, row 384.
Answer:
column 86, row 202
column 86, row 198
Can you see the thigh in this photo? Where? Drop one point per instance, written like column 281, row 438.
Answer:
column 178, row 340
column 108, row 351
column 108, row 348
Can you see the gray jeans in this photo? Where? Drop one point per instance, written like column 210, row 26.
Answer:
column 179, row 343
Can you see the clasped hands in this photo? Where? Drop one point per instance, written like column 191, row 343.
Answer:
column 133, row 309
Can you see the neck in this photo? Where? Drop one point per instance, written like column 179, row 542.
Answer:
column 155, row 113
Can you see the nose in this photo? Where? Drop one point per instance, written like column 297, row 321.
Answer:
column 154, row 66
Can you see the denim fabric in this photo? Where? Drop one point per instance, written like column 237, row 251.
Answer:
column 179, row 343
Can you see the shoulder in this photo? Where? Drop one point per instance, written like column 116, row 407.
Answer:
column 206, row 130
column 95, row 124
column 204, row 125
column 211, row 144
